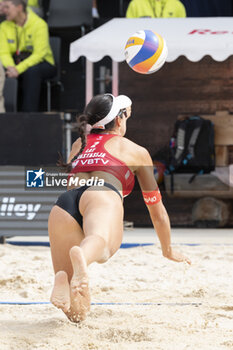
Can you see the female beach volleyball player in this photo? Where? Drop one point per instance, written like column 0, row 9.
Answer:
column 86, row 223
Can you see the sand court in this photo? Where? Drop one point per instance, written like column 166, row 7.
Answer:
column 140, row 300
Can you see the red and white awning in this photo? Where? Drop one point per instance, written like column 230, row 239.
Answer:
column 193, row 38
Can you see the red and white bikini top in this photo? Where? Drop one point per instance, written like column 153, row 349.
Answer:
column 96, row 158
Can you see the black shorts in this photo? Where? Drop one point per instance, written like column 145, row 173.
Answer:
column 69, row 201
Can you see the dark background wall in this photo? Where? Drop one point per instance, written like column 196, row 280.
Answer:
column 180, row 87
column 72, row 98
column 208, row 8
column 30, row 139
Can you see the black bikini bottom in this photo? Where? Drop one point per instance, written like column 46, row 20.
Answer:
column 69, row 201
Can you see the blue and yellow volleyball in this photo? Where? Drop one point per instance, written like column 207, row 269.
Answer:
column 146, row 51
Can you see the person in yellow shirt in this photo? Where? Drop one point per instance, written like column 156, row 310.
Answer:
column 1, row 7
column 36, row 6
column 2, row 12
column 155, row 8
column 25, row 51
column 33, row 3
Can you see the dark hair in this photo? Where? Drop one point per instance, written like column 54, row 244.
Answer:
column 96, row 110
column 19, row 2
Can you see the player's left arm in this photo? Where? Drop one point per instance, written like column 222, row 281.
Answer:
column 157, row 211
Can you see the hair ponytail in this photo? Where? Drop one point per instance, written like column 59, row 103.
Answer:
column 96, row 110
column 81, row 128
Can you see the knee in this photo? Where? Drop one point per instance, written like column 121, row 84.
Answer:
column 105, row 255
column 31, row 72
column 101, row 245
column 108, row 250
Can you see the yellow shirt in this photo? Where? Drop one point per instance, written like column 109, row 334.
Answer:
column 155, row 8
column 32, row 37
column 33, row 3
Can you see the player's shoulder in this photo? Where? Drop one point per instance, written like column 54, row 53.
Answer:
column 35, row 19
column 138, row 150
column 130, row 143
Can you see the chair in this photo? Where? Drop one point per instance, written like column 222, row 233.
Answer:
column 71, row 13
column 55, row 44
column 10, row 93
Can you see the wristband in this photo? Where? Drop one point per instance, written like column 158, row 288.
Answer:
column 152, row 197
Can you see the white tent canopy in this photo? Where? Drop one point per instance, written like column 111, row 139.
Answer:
column 191, row 37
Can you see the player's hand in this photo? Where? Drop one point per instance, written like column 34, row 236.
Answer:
column 176, row 256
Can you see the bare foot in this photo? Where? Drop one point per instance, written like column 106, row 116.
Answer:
column 60, row 296
column 79, row 289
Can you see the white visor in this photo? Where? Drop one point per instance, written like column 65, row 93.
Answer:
column 118, row 103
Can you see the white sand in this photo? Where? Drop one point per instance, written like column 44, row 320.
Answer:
column 136, row 275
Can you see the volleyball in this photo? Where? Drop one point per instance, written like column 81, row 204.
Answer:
column 146, row 51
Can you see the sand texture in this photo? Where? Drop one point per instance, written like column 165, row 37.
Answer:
column 190, row 307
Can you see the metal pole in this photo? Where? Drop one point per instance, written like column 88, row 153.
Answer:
column 48, row 96
column 121, row 12
column 102, row 79
column 68, row 131
column 115, row 78
column 89, row 80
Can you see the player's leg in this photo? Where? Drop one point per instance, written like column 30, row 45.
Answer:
column 103, row 229
column 72, row 250
column 64, row 233
column 102, row 213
